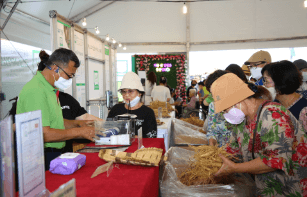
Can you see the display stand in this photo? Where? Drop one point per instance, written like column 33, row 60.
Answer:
column 30, row 152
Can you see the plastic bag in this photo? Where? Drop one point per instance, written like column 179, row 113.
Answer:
column 176, row 163
column 185, row 133
column 122, row 128
column 186, row 124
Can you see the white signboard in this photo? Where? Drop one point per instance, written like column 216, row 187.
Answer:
column 95, row 70
column 94, row 48
column 30, row 152
column 80, row 75
column 107, row 67
column 7, row 168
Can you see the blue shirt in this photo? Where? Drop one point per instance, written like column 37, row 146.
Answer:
column 259, row 82
column 202, row 93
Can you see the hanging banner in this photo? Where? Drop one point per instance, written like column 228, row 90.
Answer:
column 95, row 80
column 63, row 35
column 94, row 48
column 63, row 38
column 107, row 67
column 80, row 75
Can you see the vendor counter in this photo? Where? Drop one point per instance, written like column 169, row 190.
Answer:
column 124, row 180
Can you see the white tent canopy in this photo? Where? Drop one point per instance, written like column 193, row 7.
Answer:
column 143, row 24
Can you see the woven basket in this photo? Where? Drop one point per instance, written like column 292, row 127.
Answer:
column 143, row 157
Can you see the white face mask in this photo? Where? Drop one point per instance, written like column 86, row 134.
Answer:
column 256, row 73
column 304, row 76
column 135, row 101
column 235, row 116
column 62, row 83
column 273, row 92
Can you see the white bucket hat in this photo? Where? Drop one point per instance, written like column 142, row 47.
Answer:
column 131, row 81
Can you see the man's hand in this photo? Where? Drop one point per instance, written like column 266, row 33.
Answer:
column 88, row 133
column 227, row 168
column 85, row 123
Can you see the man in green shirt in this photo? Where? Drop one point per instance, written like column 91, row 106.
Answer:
column 40, row 93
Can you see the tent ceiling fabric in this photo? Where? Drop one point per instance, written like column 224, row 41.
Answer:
column 151, row 21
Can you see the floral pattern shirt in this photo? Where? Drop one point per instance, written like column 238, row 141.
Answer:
column 281, row 143
column 303, row 111
column 216, row 127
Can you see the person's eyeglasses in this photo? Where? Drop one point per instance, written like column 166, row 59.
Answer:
column 69, row 76
column 255, row 65
column 123, row 92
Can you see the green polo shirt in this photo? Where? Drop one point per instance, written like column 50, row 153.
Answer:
column 38, row 94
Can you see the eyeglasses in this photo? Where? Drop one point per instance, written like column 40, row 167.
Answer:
column 252, row 65
column 69, row 76
column 123, row 92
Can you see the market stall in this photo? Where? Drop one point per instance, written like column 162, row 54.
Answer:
column 124, row 180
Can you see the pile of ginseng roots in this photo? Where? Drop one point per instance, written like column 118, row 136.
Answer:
column 204, row 165
column 194, row 121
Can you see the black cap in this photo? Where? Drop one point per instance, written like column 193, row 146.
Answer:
column 201, row 83
column 300, row 64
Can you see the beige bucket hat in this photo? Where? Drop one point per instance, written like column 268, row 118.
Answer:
column 259, row 56
column 228, row 90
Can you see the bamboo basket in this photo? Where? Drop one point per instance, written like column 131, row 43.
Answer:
column 143, row 157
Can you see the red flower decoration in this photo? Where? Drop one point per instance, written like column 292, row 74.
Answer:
column 302, row 154
column 257, row 145
column 232, row 150
column 289, row 132
column 303, row 183
column 270, row 153
column 264, row 144
column 274, row 162
column 276, row 115
column 295, row 157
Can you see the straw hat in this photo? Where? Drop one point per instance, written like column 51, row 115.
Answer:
column 228, row 90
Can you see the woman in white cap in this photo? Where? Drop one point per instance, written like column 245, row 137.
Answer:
column 271, row 142
column 132, row 91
